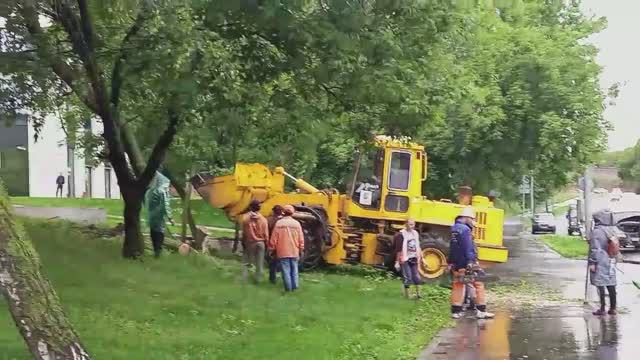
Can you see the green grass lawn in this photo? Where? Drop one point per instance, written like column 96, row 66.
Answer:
column 573, row 247
column 203, row 213
column 197, row 308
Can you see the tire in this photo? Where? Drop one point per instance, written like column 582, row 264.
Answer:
column 312, row 255
column 314, row 234
column 435, row 251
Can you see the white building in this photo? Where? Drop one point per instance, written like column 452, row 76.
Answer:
column 49, row 156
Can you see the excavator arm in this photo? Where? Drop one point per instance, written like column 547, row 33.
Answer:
column 234, row 192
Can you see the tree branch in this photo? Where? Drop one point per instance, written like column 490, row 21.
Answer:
column 64, row 71
column 87, row 28
column 133, row 150
column 160, row 149
column 117, row 73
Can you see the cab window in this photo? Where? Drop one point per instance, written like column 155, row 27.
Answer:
column 368, row 186
column 399, row 171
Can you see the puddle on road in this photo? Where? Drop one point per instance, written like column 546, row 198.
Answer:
column 572, row 333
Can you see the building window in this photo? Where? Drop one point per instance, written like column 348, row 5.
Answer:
column 88, row 175
column 107, row 183
column 396, row 203
column 399, row 171
column 87, row 124
column 21, row 120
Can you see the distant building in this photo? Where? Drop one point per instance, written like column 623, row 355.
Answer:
column 29, row 167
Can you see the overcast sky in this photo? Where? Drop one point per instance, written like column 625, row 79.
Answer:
column 620, row 57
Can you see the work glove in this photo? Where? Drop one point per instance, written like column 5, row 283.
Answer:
column 397, row 266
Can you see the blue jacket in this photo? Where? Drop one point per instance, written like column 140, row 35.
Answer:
column 462, row 251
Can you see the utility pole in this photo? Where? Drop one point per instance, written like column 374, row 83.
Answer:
column 524, row 190
column 533, row 201
column 586, row 192
column 587, row 200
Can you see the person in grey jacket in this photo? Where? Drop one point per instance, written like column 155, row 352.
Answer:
column 602, row 266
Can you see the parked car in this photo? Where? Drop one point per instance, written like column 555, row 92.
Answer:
column 543, row 223
column 600, row 191
column 628, row 224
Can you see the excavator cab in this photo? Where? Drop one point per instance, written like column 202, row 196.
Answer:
column 386, row 177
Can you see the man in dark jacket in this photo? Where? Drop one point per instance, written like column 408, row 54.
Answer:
column 463, row 262
column 59, row 184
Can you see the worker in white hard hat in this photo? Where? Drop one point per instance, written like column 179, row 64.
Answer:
column 463, row 260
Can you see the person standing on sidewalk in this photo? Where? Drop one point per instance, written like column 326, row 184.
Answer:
column 287, row 241
column 276, row 214
column 409, row 257
column 255, row 233
column 157, row 199
column 463, row 261
column 603, row 250
column 59, row 184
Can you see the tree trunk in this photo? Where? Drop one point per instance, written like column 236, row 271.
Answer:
column 179, row 186
column 133, row 246
column 34, row 305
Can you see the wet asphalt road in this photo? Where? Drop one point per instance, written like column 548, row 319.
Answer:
column 565, row 332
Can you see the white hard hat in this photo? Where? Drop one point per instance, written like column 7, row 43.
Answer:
column 468, row 212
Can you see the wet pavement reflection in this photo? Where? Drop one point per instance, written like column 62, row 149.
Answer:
column 561, row 332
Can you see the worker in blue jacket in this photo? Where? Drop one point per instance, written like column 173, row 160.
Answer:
column 463, row 260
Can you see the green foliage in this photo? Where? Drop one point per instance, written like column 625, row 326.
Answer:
column 572, row 247
column 493, row 89
column 195, row 308
column 629, row 163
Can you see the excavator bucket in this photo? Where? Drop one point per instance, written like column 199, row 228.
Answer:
column 235, row 191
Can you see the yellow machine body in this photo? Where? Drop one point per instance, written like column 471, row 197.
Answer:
column 360, row 233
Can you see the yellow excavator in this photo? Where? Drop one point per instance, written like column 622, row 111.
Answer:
column 358, row 227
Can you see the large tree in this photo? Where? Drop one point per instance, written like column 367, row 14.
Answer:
column 88, row 51
column 508, row 90
column 33, row 303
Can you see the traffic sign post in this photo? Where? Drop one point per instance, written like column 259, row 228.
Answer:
column 525, row 189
